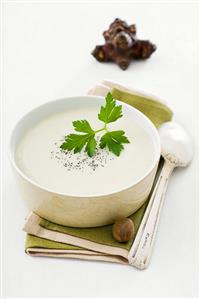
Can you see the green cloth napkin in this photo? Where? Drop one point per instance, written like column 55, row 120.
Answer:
column 101, row 235
column 158, row 113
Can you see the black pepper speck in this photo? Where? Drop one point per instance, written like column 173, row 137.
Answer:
column 80, row 161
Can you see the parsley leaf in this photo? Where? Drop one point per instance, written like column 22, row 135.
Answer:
column 113, row 140
column 91, row 146
column 82, row 126
column 110, row 112
column 76, row 142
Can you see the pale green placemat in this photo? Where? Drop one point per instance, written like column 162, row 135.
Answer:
column 101, row 235
column 156, row 111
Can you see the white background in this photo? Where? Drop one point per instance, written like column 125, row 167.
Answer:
column 46, row 54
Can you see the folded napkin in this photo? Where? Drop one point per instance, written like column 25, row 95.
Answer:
column 45, row 238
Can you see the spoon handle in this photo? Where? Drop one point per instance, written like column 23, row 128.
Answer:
column 144, row 250
column 141, row 228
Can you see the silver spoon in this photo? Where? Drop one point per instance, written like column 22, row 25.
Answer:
column 177, row 150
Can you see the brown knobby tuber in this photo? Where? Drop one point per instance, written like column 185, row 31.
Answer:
column 121, row 45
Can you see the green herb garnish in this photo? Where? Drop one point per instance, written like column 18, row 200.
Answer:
column 113, row 140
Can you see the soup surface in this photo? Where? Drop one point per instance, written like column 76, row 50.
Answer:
column 39, row 156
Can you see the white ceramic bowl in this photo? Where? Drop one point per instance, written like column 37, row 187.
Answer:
column 80, row 211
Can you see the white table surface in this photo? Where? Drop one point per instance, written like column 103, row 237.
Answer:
column 46, row 51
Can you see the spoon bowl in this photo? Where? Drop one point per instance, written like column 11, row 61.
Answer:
column 176, row 144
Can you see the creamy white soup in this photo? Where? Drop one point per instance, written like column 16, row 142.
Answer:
column 39, row 156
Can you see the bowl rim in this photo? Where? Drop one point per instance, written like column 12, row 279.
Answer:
column 40, row 186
